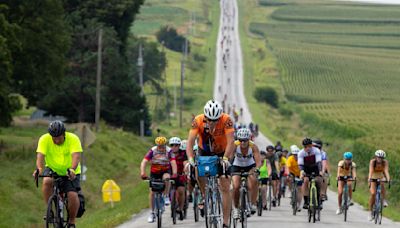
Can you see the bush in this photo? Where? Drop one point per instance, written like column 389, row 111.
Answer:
column 172, row 40
column 267, row 95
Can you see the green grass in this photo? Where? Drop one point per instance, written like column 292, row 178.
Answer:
column 335, row 67
column 114, row 155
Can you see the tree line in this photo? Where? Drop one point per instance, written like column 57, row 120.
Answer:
column 48, row 54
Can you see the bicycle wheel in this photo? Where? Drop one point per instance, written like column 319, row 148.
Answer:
column 380, row 212
column 196, row 197
column 173, row 206
column 314, row 204
column 65, row 216
column 294, row 199
column 208, row 208
column 259, row 202
column 243, row 207
column 52, row 215
column 218, row 209
column 269, row 195
column 344, row 202
column 377, row 207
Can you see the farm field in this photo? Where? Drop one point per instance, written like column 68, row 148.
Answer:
column 335, row 65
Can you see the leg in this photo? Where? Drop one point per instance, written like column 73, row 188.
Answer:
column 264, row 194
column 73, row 206
column 340, row 193
column 372, row 190
column 151, row 196
column 226, row 197
column 181, row 197
column 253, row 188
column 47, row 188
column 167, row 184
column 306, row 191
column 235, row 193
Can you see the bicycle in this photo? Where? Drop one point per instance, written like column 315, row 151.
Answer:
column 314, row 211
column 345, row 195
column 158, row 186
column 293, row 200
column 269, row 199
column 260, row 199
column 377, row 209
column 57, row 214
column 196, row 195
column 244, row 204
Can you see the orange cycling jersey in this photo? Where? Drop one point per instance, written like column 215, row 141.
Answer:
column 212, row 140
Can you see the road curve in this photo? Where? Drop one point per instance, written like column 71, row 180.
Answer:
column 229, row 81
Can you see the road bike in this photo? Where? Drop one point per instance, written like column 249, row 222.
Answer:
column 377, row 209
column 293, row 200
column 314, row 211
column 157, row 187
column 196, row 194
column 345, row 195
column 260, row 198
column 244, row 203
column 57, row 214
column 175, row 203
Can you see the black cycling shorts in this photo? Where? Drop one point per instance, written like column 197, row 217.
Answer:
column 66, row 185
column 239, row 169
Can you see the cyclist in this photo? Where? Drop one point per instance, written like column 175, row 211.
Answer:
column 216, row 137
column 346, row 167
column 162, row 160
column 246, row 159
column 325, row 168
column 309, row 160
column 57, row 152
column 274, row 161
column 265, row 171
column 278, row 146
column 378, row 169
column 294, row 170
column 179, row 150
column 282, row 170
column 192, row 178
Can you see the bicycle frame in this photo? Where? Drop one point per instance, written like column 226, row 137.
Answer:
column 243, row 199
column 213, row 203
column 313, row 209
column 345, row 195
column 378, row 206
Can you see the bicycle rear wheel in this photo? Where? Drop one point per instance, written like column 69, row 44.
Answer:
column 53, row 218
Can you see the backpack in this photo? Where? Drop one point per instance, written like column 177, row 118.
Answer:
column 81, row 209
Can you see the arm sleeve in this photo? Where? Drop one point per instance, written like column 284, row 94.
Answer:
column 171, row 156
column 318, row 156
column 300, row 160
column 76, row 144
column 41, row 148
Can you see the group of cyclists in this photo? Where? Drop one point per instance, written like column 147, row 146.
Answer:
column 213, row 134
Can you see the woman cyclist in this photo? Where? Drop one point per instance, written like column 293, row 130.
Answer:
column 346, row 168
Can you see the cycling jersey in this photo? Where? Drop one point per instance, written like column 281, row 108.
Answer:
column 242, row 160
column 212, row 142
column 324, row 155
column 59, row 157
column 264, row 170
column 180, row 158
column 293, row 166
column 310, row 162
column 160, row 161
column 272, row 158
column 282, row 163
column 378, row 169
column 345, row 170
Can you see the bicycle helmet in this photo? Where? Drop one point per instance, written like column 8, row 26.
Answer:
column 348, row 155
column 307, row 141
column 56, row 128
column 380, row 154
column 270, row 147
column 263, row 153
column 183, row 145
column 161, row 140
column 317, row 143
column 174, row 140
column 294, row 149
column 243, row 134
column 213, row 110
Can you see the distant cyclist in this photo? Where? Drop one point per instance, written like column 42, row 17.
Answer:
column 325, row 168
column 294, row 170
column 246, row 159
column 162, row 161
column 57, row 152
column 346, row 168
column 378, row 169
column 282, row 171
column 274, row 161
column 264, row 177
column 216, row 137
column 179, row 150
column 309, row 160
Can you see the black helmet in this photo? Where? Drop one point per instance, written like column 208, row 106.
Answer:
column 263, row 153
column 270, row 147
column 56, row 128
column 317, row 143
column 285, row 150
column 307, row 141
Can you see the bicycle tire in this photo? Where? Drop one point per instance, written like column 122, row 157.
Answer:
column 173, row 207
column 158, row 207
column 208, row 208
column 380, row 213
column 377, row 206
column 259, row 202
column 314, row 205
column 52, row 216
column 243, row 208
column 218, row 219
column 344, row 202
column 195, row 203
column 294, row 199
column 269, row 195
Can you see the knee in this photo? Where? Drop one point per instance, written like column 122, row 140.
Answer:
column 225, row 187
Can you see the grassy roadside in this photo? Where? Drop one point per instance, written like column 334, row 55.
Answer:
column 265, row 56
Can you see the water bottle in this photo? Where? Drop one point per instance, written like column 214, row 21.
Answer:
column 61, row 206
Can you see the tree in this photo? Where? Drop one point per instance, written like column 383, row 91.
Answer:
column 171, row 39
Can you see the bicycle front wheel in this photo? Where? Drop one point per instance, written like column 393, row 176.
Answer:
column 243, row 208
column 173, row 207
column 196, row 196
column 208, row 208
column 269, row 195
column 294, row 199
column 259, row 202
column 344, row 204
column 53, row 218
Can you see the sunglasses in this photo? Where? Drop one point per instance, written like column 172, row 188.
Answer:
column 243, row 140
column 174, row 144
column 211, row 120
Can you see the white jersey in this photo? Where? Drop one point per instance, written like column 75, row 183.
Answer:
column 241, row 160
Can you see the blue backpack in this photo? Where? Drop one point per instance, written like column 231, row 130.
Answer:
column 207, row 165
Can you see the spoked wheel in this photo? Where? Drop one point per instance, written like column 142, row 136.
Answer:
column 53, row 218
column 294, row 200
column 173, row 207
column 309, row 213
column 243, row 208
column 380, row 213
column 345, row 207
column 208, row 209
column 196, row 197
column 159, row 207
column 259, row 203
column 218, row 220
column 314, row 209
column 377, row 209
column 269, row 196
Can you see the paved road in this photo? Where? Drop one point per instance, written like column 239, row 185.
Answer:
column 229, row 81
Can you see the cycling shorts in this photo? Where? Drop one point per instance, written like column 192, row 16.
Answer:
column 66, row 185
column 239, row 169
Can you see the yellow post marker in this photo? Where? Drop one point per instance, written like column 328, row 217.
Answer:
column 111, row 192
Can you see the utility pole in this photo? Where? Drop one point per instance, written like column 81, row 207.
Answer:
column 175, row 110
column 98, row 80
column 185, row 47
column 140, row 64
column 165, row 87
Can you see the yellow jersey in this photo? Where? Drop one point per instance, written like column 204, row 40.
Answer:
column 345, row 170
column 293, row 166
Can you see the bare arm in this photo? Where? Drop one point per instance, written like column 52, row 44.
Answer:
column 76, row 157
column 386, row 171
column 230, row 146
column 143, row 167
column 190, row 144
column 174, row 167
column 354, row 173
column 371, row 169
column 257, row 157
column 269, row 168
column 40, row 162
column 338, row 173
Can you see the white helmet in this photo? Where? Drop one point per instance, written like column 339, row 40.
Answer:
column 294, row 149
column 243, row 133
column 213, row 110
column 380, row 154
column 183, row 145
column 174, row 140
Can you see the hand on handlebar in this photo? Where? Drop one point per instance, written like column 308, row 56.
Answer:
column 144, row 176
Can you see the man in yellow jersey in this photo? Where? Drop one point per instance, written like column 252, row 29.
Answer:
column 378, row 169
column 265, row 171
column 346, row 172
column 294, row 170
column 59, row 152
